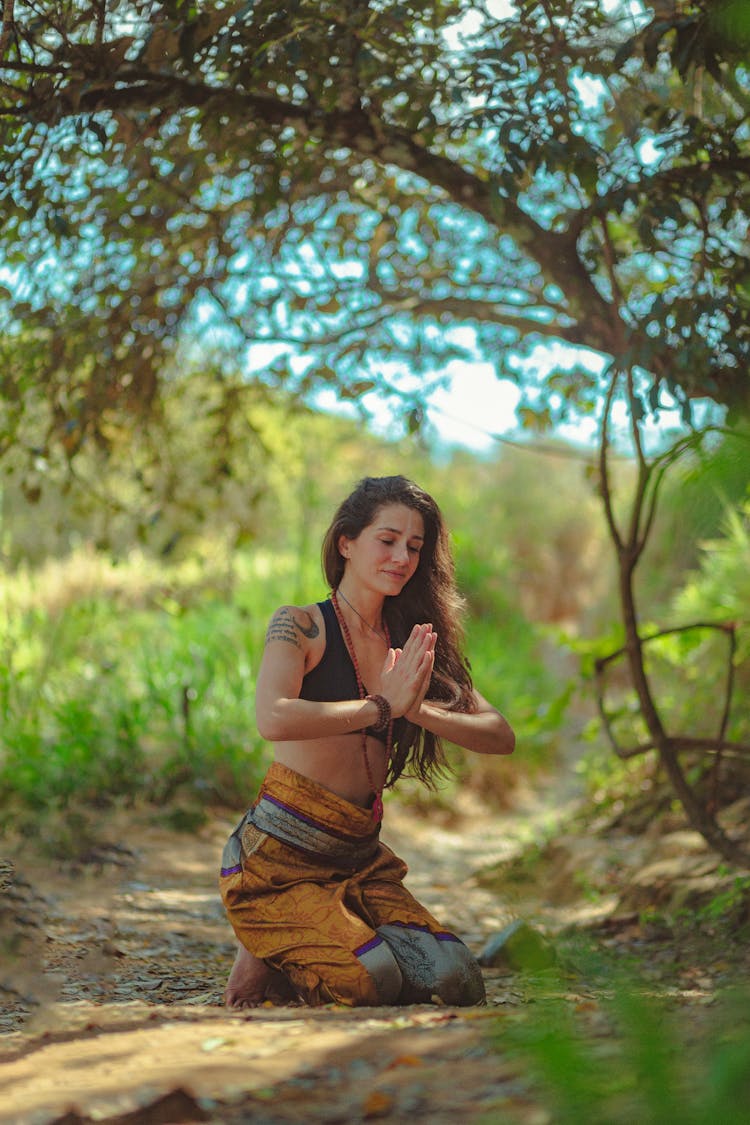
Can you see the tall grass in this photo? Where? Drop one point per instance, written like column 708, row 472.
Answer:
column 632, row 1057
column 130, row 682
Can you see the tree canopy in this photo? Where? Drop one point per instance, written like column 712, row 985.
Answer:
column 369, row 188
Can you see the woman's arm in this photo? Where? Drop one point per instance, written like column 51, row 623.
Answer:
column 484, row 731
column 294, row 644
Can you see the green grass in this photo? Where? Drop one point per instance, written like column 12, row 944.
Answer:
column 137, row 691
column 628, row 1056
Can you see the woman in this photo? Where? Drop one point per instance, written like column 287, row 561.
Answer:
column 350, row 692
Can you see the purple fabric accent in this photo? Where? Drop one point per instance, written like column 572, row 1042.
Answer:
column 305, row 819
column 371, row 944
column 231, row 870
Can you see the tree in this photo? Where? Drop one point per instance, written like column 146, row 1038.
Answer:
column 355, row 183
column 352, row 182
column 629, row 534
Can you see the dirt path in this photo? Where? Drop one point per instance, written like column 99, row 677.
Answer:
column 116, row 1013
column 132, row 953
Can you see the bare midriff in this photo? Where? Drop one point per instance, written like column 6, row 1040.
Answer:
column 336, row 763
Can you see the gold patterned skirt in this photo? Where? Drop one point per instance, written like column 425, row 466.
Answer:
column 309, row 888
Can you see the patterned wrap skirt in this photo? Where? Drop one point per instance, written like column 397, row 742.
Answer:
column 309, row 888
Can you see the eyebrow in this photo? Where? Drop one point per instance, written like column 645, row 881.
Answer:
column 398, row 531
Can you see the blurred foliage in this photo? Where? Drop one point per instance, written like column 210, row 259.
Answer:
column 217, row 465
column 631, row 1057
column 719, row 587
column 536, row 544
column 134, row 684
column 713, row 499
column 369, row 190
column 697, row 658
column 718, row 590
column 700, row 494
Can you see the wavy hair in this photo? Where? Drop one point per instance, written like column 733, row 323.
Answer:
column 430, row 595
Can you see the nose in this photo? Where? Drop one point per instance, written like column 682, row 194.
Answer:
column 400, row 553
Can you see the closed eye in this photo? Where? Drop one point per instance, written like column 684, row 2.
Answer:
column 412, row 549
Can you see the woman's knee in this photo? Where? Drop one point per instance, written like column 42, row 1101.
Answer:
column 460, row 982
column 370, row 978
column 382, row 968
column 434, row 965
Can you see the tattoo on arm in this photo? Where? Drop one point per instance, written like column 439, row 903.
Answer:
column 285, row 626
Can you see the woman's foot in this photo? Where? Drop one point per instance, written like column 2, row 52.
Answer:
column 251, row 981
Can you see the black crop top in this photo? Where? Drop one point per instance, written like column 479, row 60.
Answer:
column 334, row 677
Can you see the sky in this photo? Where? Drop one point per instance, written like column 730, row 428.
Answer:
column 477, row 410
column 475, row 406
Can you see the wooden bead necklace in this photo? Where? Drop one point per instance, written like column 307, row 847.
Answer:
column 377, row 805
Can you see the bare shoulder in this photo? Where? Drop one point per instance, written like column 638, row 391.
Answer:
column 298, row 625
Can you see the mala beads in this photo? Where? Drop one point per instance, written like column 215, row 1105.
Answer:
column 384, row 711
column 384, row 720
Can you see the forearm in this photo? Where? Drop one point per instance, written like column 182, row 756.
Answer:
column 286, row 720
column 485, row 731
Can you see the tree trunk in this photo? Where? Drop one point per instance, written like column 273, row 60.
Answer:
column 697, row 814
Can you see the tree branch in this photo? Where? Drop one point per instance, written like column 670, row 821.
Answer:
column 604, row 477
column 135, row 87
column 720, row 626
column 670, row 178
column 8, row 9
column 684, row 743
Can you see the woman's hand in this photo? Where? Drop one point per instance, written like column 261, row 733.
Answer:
column 406, row 673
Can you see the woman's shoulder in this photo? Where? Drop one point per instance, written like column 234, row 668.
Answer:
column 299, row 624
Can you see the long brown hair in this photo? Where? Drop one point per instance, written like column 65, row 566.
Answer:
column 430, row 595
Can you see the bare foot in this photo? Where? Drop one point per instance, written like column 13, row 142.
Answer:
column 251, row 981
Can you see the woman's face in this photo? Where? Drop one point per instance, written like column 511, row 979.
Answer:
column 385, row 554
